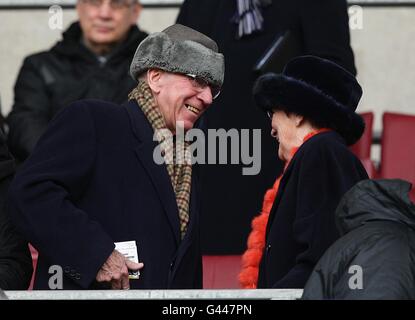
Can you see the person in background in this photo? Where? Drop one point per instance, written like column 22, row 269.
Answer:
column 15, row 260
column 91, row 61
column 312, row 106
column 93, row 179
column 374, row 257
column 244, row 30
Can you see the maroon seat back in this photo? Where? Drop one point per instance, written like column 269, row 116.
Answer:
column 412, row 194
column 398, row 147
column 221, row 272
column 34, row 254
column 362, row 147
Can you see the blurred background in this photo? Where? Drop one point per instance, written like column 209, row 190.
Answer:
column 382, row 38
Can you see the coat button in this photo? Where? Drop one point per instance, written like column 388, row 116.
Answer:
column 171, row 265
column 78, row 276
column 72, row 274
column 66, row 269
column 268, row 248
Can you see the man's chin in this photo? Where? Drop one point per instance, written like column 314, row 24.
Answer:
column 188, row 127
column 103, row 39
column 185, row 125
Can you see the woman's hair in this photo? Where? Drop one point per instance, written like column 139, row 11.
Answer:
column 319, row 124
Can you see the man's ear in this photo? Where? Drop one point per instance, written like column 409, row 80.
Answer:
column 78, row 8
column 154, row 79
column 136, row 11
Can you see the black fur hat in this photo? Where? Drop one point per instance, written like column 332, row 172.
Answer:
column 318, row 89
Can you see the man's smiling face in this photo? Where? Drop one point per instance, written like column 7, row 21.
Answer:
column 178, row 98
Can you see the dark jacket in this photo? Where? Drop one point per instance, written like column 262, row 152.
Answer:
column 92, row 181
column 377, row 221
column 301, row 223
column 15, row 260
column 50, row 80
column 321, row 28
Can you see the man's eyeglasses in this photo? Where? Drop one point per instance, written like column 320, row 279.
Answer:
column 114, row 4
column 200, row 83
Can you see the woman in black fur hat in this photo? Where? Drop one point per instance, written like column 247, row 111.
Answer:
column 312, row 108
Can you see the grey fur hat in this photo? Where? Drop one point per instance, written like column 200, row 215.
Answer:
column 179, row 49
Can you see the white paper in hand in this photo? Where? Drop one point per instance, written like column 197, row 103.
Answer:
column 129, row 250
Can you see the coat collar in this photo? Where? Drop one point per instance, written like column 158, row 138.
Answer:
column 158, row 174
column 288, row 170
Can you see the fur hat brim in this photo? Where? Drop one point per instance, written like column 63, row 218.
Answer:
column 272, row 91
column 160, row 51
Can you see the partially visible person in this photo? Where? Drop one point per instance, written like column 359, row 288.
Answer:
column 374, row 258
column 312, row 107
column 15, row 260
column 2, row 119
column 94, row 178
column 244, row 31
column 91, row 61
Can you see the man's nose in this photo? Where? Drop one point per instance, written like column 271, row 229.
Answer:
column 105, row 9
column 206, row 95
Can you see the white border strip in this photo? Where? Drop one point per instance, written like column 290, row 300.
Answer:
column 16, row 3
column 257, row 294
column 34, row 3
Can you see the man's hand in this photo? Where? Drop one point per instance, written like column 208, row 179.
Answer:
column 115, row 271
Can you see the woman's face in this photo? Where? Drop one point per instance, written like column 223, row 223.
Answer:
column 285, row 131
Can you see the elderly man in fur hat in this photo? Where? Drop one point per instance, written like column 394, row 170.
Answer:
column 92, row 180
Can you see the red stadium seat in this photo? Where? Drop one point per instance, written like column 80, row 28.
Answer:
column 370, row 168
column 398, row 147
column 34, row 254
column 221, row 272
column 412, row 194
column 363, row 147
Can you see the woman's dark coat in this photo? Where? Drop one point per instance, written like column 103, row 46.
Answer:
column 301, row 224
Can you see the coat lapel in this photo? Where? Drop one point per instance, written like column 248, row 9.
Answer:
column 277, row 199
column 194, row 201
column 157, row 173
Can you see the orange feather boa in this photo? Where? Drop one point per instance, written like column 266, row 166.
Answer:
column 248, row 277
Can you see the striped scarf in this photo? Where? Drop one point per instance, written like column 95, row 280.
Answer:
column 249, row 16
column 179, row 170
